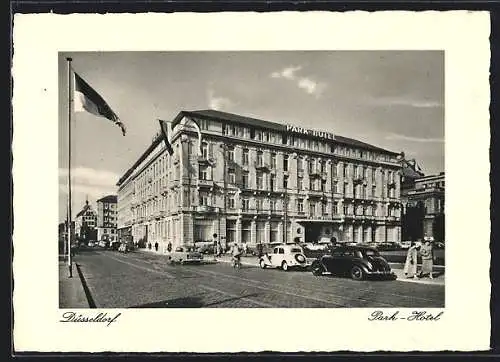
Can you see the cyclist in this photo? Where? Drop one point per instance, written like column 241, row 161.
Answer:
column 236, row 255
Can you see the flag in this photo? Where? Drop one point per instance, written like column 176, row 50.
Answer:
column 87, row 99
column 164, row 131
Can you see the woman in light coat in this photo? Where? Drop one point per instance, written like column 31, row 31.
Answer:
column 427, row 259
column 410, row 268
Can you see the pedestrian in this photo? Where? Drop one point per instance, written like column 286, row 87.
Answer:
column 156, row 246
column 427, row 258
column 219, row 249
column 410, row 268
column 259, row 250
column 169, row 247
column 149, row 246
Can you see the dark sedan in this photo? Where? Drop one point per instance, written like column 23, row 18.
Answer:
column 356, row 262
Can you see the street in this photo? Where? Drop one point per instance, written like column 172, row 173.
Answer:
column 146, row 280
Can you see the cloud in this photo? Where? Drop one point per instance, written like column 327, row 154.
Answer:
column 89, row 177
column 307, row 84
column 405, row 102
column 218, row 103
column 400, row 137
column 287, row 73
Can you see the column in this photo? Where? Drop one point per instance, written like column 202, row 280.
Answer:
column 253, row 231
column 238, row 231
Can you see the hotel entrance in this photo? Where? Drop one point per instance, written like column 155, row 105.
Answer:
column 320, row 231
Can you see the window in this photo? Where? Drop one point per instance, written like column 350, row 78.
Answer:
column 274, row 232
column 272, row 205
column 310, row 165
column 244, row 178
column 346, row 209
column 260, row 160
column 300, row 205
column 231, row 231
column 281, row 251
column 258, row 204
column 300, row 183
column 312, row 209
column 273, row 182
column 323, row 208
column 204, row 150
column 203, row 173
column 300, row 164
column 203, row 200
column 336, row 208
column 285, row 163
column 323, row 185
column 284, row 139
column 232, row 176
column 335, row 186
column 231, row 202
column 245, row 231
column 344, row 171
column 273, row 161
column 245, row 156
column 260, row 181
column 322, row 166
column 285, row 182
column 356, row 234
column 260, row 232
column 245, row 203
column 230, row 154
column 374, row 191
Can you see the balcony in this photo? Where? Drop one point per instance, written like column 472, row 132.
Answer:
column 262, row 166
column 206, row 160
column 358, row 180
column 313, row 173
column 314, row 193
column 206, row 209
column 205, row 183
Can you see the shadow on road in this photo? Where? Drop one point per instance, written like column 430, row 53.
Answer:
column 187, row 302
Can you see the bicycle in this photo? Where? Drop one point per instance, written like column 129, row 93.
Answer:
column 236, row 262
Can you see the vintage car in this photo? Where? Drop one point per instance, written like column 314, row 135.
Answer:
column 284, row 256
column 357, row 262
column 183, row 255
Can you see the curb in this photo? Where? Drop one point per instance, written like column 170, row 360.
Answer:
column 86, row 289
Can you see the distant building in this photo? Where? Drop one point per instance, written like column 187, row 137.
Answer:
column 86, row 223
column 254, row 181
column 106, row 218
column 422, row 199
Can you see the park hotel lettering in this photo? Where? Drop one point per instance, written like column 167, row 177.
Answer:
column 310, row 132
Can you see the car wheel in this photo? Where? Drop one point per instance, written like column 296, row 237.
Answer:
column 284, row 266
column 317, row 269
column 262, row 264
column 357, row 273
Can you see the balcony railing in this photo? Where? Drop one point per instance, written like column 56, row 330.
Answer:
column 205, row 183
column 206, row 208
column 206, row 160
column 263, row 166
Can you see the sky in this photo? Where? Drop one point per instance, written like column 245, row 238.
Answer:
column 391, row 99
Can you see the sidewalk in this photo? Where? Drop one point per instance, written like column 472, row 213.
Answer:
column 71, row 292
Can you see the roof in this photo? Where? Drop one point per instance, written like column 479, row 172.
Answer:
column 235, row 118
column 108, row 199
column 84, row 210
column 255, row 122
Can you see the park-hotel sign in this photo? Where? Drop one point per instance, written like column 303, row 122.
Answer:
column 310, row 132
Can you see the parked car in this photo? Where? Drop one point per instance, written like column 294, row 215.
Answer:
column 91, row 244
column 185, row 255
column 285, row 256
column 405, row 244
column 357, row 262
column 115, row 245
column 103, row 244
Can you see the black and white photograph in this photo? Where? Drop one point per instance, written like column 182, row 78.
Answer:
column 195, row 183
column 252, row 179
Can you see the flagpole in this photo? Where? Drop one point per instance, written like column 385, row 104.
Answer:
column 70, row 111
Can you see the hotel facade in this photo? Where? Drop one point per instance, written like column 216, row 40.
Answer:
column 251, row 181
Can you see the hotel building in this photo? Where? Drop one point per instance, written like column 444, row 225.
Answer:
column 253, row 181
